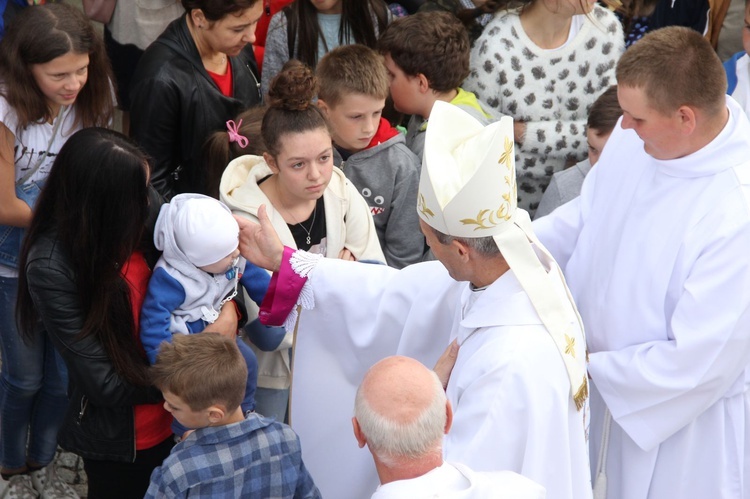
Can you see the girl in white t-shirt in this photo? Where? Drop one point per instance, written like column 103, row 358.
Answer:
column 54, row 80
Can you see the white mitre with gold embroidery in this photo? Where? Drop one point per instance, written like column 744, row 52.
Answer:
column 468, row 189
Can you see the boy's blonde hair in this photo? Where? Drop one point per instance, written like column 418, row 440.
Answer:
column 351, row 69
column 202, row 369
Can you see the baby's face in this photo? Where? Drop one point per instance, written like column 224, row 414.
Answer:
column 222, row 265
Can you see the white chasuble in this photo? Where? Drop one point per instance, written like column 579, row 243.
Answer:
column 511, row 400
column 657, row 257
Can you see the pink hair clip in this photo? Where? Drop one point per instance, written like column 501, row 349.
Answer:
column 234, row 134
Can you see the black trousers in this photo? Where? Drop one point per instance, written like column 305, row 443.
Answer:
column 118, row 480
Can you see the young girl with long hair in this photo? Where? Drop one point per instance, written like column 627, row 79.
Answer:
column 544, row 62
column 54, row 80
column 310, row 202
column 307, row 29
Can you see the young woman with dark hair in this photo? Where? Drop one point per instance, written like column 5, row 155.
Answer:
column 307, row 29
column 312, row 205
column 85, row 262
column 198, row 74
column 54, row 80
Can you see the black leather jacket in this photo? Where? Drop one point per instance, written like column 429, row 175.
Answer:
column 100, row 423
column 175, row 106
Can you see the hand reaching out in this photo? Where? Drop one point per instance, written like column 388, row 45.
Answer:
column 259, row 243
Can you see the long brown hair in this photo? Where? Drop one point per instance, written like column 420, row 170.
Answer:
column 40, row 34
column 356, row 20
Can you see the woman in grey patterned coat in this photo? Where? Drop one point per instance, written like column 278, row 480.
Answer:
column 545, row 63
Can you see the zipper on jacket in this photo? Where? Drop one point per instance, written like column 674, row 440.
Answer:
column 176, row 173
column 84, row 406
column 135, row 443
column 257, row 83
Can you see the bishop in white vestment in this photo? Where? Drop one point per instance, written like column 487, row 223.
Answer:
column 518, row 387
column 657, row 255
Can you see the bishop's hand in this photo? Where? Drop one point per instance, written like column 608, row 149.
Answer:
column 259, row 243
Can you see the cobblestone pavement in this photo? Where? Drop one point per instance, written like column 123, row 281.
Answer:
column 70, row 469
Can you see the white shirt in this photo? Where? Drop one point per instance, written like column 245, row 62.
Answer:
column 456, row 481
column 742, row 91
column 31, row 145
column 656, row 257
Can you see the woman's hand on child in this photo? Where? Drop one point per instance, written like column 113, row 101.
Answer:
column 259, row 243
column 227, row 323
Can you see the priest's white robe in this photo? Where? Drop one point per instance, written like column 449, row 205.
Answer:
column 657, row 256
column 509, row 388
column 456, row 481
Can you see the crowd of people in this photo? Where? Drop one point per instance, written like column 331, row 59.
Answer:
column 333, row 210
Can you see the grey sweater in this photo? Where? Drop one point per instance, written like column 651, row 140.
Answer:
column 387, row 176
column 564, row 186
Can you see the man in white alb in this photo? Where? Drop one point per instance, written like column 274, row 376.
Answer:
column 518, row 387
column 401, row 414
column 656, row 251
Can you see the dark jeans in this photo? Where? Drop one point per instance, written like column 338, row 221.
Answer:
column 33, row 383
column 118, row 480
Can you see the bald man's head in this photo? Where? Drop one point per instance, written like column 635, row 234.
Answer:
column 401, row 409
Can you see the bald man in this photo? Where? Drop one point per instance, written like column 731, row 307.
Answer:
column 401, row 413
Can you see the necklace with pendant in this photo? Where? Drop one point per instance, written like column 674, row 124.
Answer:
column 315, row 210
column 308, row 232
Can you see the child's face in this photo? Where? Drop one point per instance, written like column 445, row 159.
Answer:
column 596, row 141
column 61, row 79
column 222, row 265
column 354, row 120
column 746, row 31
column 327, row 6
column 304, row 165
column 183, row 413
column 404, row 88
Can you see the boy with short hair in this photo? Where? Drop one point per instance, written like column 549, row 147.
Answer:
column 427, row 57
column 738, row 67
column 353, row 88
column 202, row 377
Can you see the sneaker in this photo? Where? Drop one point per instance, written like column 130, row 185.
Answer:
column 19, row 487
column 48, row 483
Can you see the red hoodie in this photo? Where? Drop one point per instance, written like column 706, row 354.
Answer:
column 385, row 132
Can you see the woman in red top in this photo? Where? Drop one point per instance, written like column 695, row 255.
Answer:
column 86, row 272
